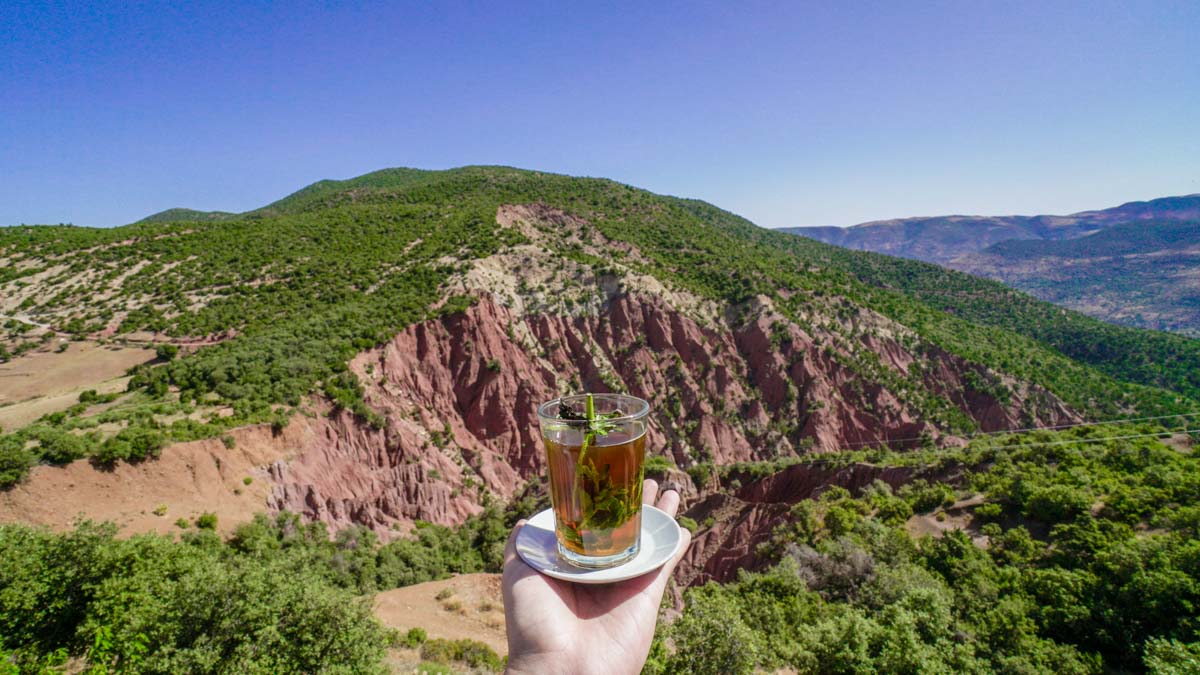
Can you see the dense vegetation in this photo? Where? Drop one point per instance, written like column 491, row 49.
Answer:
column 1082, row 557
column 279, row 596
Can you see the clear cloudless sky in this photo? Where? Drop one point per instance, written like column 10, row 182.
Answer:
column 789, row 113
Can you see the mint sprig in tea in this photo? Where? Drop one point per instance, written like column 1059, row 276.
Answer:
column 595, row 449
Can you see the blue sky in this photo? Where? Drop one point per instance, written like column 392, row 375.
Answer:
column 788, row 113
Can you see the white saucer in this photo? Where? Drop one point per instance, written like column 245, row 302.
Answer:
column 538, row 547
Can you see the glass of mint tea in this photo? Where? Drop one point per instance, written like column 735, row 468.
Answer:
column 596, row 451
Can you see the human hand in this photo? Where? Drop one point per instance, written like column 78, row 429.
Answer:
column 555, row 626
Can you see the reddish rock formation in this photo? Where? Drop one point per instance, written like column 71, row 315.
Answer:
column 459, row 395
column 728, row 540
column 805, row 481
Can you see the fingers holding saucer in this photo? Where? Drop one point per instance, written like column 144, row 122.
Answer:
column 649, row 491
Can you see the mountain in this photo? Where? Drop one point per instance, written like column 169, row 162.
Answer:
column 1144, row 274
column 942, row 239
column 367, row 355
column 1133, row 265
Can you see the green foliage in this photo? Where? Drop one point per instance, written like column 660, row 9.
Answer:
column 415, row 637
column 700, row 473
column 1171, row 657
column 1097, row 589
column 280, row 596
column 472, row 653
column 147, row 604
column 657, row 466
column 166, row 352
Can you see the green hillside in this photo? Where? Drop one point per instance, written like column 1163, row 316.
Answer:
column 341, row 266
column 1151, row 358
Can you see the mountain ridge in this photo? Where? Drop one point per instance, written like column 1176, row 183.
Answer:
column 939, row 239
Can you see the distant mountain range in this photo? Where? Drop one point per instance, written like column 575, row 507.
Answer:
column 1136, row 264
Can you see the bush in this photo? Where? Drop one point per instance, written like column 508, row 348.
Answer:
column 146, row 604
column 1171, row 657
column 207, row 521
column 1057, row 503
column 166, row 352
column 15, row 460
column 415, row 637
column 471, row 652
column 711, row 637
column 989, row 512
column 923, row 497
column 657, row 466
column 700, row 474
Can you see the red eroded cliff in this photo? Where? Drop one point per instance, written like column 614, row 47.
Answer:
column 459, row 394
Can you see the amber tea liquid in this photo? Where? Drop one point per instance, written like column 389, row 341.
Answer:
column 597, row 495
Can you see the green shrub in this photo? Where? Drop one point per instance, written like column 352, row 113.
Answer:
column 415, row 637
column 700, row 473
column 657, row 466
column 207, row 521
column 989, row 512
column 471, row 652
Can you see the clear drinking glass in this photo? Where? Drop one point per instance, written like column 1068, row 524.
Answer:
column 596, row 451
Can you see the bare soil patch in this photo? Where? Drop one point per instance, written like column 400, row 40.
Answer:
column 960, row 516
column 188, row 479
column 471, row 606
column 45, row 381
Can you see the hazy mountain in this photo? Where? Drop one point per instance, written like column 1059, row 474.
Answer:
column 941, row 239
column 1144, row 274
